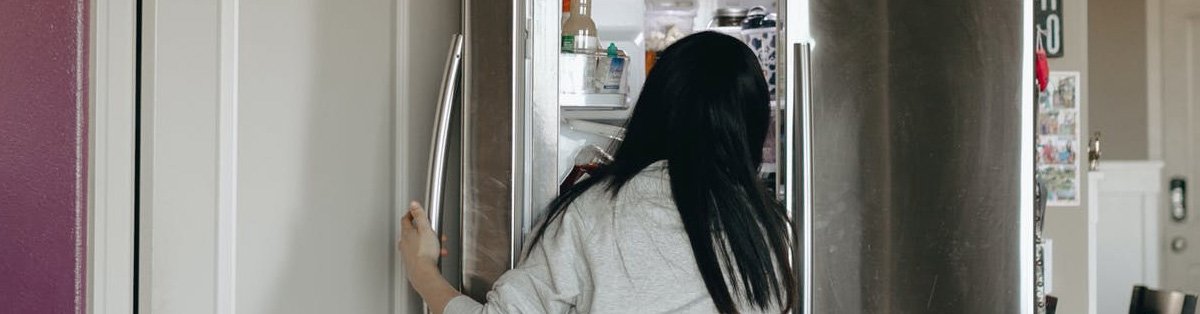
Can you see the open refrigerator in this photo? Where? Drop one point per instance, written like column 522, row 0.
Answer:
column 896, row 148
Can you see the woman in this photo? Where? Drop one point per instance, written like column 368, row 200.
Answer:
column 660, row 228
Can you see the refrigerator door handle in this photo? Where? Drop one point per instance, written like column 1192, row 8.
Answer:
column 799, row 176
column 436, row 176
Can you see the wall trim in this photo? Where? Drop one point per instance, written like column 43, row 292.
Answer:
column 399, row 287
column 227, row 166
column 1094, row 179
column 1154, row 124
column 110, row 248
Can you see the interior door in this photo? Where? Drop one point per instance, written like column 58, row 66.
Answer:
column 1181, row 138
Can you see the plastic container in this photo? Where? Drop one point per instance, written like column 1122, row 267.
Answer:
column 760, row 32
column 592, row 81
column 666, row 21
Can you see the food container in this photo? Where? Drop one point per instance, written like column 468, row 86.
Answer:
column 592, row 81
column 762, row 41
column 666, row 22
column 761, row 34
column 731, row 17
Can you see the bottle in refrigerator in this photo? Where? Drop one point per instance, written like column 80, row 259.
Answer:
column 566, row 11
column 579, row 31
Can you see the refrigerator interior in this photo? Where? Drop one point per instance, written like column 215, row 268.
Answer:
column 587, row 135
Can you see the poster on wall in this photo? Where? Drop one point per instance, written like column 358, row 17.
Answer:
column 1058, row 139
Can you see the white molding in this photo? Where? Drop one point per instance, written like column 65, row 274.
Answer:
column 110, row 263
column 145, row 151
column 1154, row 105
column 227, row 167
column 1135, row 177
column 1141, row 166
column 1094, row 179
column 399, row 285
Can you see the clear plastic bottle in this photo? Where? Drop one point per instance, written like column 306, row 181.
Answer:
column 566, row 12
column 579, row 31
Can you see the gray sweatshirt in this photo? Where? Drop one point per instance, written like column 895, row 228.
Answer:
column 624, row 255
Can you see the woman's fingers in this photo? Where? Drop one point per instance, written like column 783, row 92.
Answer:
column 419, row 217
column 445, row 252
column 407, row 221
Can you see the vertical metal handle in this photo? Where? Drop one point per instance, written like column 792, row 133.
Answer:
column 436, row 177
column 799, row 161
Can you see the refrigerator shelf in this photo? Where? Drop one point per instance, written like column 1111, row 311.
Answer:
column 615, row 116
column 592, row 101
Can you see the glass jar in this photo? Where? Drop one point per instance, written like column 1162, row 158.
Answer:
column 666, row 22
column 730, row 17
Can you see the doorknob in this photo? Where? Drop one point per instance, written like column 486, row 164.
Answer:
column 1178, row 244
column 1178, row 199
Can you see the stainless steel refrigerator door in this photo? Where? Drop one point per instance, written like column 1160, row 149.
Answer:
column 491, row 142
column 920, row 147
column 510, row 131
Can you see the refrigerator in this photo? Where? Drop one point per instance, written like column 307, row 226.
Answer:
column 902, row 148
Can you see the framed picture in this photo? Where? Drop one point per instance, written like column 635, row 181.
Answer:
column 1058, row 150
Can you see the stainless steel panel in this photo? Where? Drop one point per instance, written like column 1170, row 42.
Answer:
column 543, row 111
column 491, row 160
column 917, row 151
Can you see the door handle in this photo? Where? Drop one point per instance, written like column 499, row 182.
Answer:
column 798, row 153
column 1178, row 199
column 436, row 176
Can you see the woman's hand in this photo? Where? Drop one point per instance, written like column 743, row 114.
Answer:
column 420, row 249
column 419, row 245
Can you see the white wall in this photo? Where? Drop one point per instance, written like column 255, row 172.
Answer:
column 314, row 156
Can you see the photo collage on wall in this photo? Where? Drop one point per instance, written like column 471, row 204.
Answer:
column 1058, row 147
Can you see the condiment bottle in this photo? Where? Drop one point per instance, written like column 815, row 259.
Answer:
column 579, row 31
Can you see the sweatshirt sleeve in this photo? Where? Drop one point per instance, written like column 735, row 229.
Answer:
column 549, row 280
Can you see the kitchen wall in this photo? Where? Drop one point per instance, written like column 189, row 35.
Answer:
column 43, row 155
column 1067, row 226
column 1117, row 64
column 1105, row 42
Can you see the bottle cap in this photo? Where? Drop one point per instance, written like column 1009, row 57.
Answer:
column 612, row 50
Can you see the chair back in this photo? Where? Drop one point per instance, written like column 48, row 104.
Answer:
column 1150, row 301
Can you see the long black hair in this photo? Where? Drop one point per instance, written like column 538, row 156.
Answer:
column 705, row 109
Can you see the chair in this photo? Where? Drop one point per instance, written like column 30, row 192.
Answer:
column 1150, row 301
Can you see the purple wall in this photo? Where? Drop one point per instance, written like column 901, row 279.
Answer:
column 43, row 155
